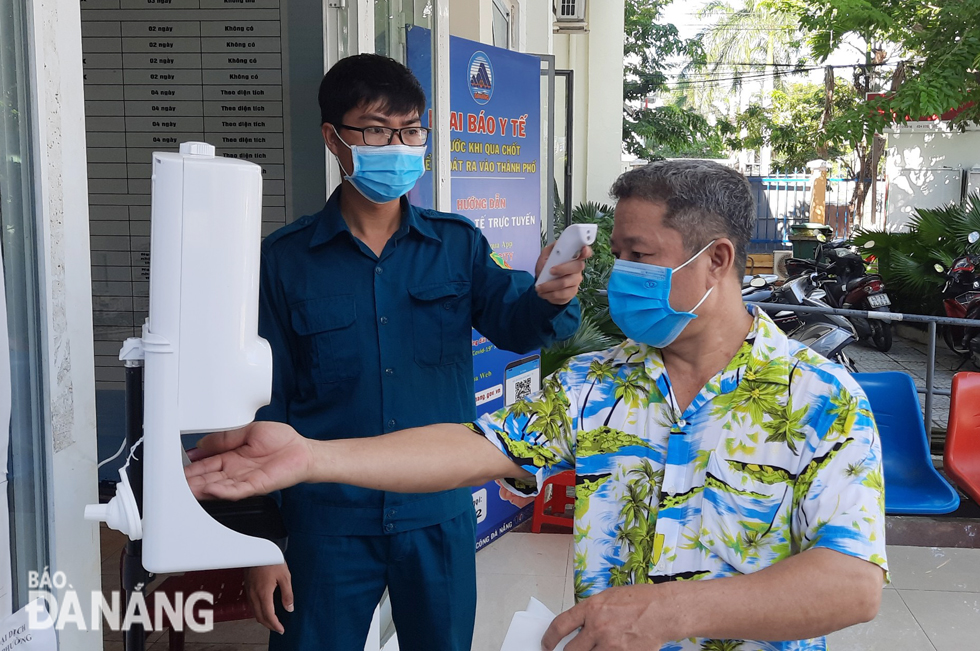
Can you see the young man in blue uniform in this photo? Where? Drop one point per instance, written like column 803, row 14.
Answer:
column 368, row 306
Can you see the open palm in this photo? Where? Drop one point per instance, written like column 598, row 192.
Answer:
column 257, row 459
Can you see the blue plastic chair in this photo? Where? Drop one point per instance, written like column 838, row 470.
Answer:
column 912, row 483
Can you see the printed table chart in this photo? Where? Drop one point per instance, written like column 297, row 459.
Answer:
column 158, row 73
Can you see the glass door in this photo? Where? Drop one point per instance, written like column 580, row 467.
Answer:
column 23, row 484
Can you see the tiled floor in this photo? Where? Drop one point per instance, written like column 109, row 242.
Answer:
column 933, row 603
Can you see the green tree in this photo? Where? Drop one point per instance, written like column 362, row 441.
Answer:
column 935, row 69
column 748, row 40
column 751, row 39
column 652, row 131
column 792, row 125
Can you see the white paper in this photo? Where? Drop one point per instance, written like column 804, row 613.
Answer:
column 529, row 626
column 29, row 629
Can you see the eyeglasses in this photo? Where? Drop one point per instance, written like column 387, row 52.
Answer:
column 381, row 136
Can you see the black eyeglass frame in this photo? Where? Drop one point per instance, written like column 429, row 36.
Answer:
column 391, row 135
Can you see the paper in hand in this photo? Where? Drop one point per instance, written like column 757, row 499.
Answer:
column 529, row 626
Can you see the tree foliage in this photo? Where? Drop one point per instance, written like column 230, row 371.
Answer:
column 791, row 125
column 650, row 44
column 939, row 45
column 740, row 42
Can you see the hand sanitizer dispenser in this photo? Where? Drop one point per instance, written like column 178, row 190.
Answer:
column 206, row 368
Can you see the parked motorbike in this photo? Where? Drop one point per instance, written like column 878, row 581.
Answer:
column 841, row 273
column 961, row 300
column 827, row 334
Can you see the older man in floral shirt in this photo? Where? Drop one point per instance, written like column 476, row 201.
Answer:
column 776, row 455
column 729, row 491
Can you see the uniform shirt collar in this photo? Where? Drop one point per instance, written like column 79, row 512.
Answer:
column 330, row 222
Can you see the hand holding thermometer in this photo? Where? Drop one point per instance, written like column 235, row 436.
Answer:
column 573, row 239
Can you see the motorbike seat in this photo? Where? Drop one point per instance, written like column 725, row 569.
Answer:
column 853, row 284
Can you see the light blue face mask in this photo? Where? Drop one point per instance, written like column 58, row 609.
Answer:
column 384, row 174
column 639, row 302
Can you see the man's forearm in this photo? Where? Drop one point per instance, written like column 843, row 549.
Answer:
column 804, row 596
column 420, row 460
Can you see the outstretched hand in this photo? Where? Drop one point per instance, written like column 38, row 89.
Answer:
column 257, row 459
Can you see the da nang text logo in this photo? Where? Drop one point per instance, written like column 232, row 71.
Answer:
column 481, row 77
column 67, row 608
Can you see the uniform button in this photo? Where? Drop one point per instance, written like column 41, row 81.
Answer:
column 391, row 513
column 384, row 320
column 391, row 424
column 447, row 305
column 389, row 527
column 379, row 270
column 682, row 423
column 389, row 371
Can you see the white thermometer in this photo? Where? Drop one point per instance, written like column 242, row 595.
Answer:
column 573, row 239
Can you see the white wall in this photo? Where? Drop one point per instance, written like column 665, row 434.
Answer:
column 66, row 296
column 596, row 57
column 918, row 158
column 538, row 19
column 471, row 19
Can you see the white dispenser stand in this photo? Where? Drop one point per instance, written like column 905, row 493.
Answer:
column 206, row 368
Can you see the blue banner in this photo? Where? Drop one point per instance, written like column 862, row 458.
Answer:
column 495, row 126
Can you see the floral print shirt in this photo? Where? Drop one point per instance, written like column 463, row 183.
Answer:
column 776, row 455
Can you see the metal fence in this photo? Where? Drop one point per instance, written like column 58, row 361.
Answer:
column 784, row 199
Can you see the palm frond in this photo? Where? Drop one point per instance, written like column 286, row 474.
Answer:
column 589, row 338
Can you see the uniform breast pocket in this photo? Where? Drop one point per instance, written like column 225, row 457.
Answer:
column 743, row 512
column 441, row 322
column 326, row 329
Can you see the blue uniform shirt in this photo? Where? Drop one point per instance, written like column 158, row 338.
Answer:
column 365, row 344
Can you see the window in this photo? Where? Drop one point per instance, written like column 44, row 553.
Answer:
column 23, row 489
column 391, row 20
column 501, row 25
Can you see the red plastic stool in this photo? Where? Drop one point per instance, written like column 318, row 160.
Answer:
column 549, row 505
column 227, row 587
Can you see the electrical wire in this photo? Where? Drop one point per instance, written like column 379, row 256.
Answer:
column 115, row 456
column 710, row 79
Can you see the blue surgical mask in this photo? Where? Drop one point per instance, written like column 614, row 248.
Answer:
column 639, row 302
column 383, row 174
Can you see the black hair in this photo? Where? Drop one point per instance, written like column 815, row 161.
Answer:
column 370, row 80
column 703, row 199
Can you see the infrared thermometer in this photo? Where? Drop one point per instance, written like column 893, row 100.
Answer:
column 573, row 239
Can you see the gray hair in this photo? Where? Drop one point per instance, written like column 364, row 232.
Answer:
column 703, row 200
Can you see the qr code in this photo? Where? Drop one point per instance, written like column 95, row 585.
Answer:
column 522, row 388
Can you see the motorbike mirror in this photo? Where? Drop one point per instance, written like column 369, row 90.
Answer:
column 973, row 237
column 939, row 268
column 757, row 283
column 870, row 244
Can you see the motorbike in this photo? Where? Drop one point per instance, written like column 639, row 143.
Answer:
column 826, row 334
column 842, row 275
column 961, row 300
